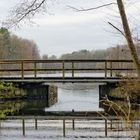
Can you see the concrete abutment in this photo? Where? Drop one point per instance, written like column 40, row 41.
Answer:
column 38, row 91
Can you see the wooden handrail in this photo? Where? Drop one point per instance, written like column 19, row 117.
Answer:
column 32, row 66
column 65, row 60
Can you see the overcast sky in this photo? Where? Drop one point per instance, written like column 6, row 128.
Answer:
column 64, row 30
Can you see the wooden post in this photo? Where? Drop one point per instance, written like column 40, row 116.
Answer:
column 35, row 70
column 73, row 121
column 72, row 69
column 121, row 125
column 36, row 124
column 139, row 132
column 110, row 69
column 64, row 131
column 111, row 124
column 23, row 127
column 105, row 69
column 22, row 69
column 0, row 125
column 105, row 127
column 118, row 125
column 63, row 69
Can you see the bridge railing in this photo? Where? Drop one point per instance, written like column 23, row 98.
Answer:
column 71, row 68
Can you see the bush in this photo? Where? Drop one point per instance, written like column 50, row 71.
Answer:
column 8, row 90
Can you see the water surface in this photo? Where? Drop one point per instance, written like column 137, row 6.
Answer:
column 77, row 99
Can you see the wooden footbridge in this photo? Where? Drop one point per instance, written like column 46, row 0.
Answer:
column 41, row 71
column 65, row 70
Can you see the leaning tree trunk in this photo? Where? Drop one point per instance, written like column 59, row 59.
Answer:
column 128, row 36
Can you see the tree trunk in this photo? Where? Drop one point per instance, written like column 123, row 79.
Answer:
column 128, row 36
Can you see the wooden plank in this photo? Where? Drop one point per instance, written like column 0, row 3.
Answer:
column 35, row 69
column 72, row 69
column 22, row 69
column 105, row 69
column 111, row 124
column 23, row 127
column 68, row 69
column 111, row 69
column 64, row 128
column 60, row 61
column 105, row 127
column 73, row 124
column 36, row 125
column 63, row 117
column 73, row 121
column 63, row 69
column 60, row 80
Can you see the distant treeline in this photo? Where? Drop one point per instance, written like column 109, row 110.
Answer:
column 117, row 52
column 120, row 52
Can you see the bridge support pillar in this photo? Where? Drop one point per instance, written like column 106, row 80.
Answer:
column 52, row 94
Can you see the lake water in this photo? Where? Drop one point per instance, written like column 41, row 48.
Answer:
column 77, row 99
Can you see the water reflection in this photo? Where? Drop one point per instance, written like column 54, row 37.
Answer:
column 68, row 99
column 11, row 107
column 23, row 107
column 34, row 107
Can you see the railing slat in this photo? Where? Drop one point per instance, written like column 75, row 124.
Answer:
column 22, row 69
column 63, row 69
column 72, row 69
column 110, row 69
column 35, row 69
column 105, row 69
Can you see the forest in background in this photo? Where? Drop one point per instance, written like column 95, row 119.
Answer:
column 118, row 52
column 13, row 47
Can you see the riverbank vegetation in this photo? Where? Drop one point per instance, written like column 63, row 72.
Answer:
column 129, row 88
column 124, row 102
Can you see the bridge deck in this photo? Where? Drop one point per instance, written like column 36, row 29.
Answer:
column 62, row 80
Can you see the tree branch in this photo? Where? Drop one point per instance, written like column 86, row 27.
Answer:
column 24, row 11
column 117, row 29
column 93, row 8
column 30, row 10
column 135, row 38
